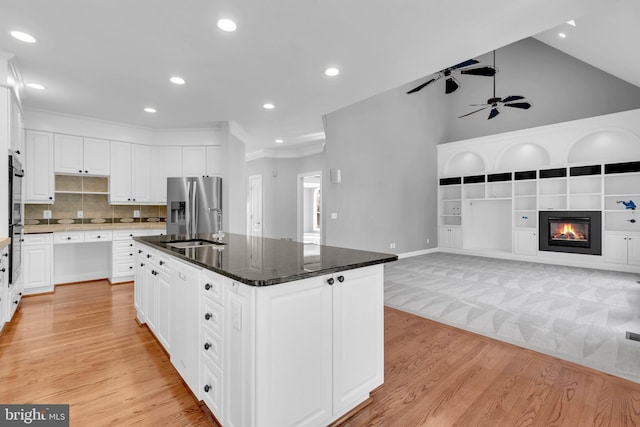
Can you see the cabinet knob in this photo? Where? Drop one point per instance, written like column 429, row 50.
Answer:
column 16, row 302
column 207, row 388
column 340, row 279
column 161, row 263
column 2, row 270
column 50, row 197
column 6, row 254
column 128, row 200
column 139, row 251
column 134, row 200
column 207, row 286
column 130, row 254
column 99, row 236
column 130, row 235
column 20, row 293
column 18, row 152
column 130, row 244
column 22, row 240
column 142, row 264
column 330, row 280
column 208, row 316
column 148, row 255
column 69, row 238
column 80, row 171
column 207, row 346
column 86, row 171
column 131, row 267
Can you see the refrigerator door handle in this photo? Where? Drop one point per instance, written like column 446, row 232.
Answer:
column 195, row 207
column 187, row 219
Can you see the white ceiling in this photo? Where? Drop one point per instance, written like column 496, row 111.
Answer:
column 109, row 59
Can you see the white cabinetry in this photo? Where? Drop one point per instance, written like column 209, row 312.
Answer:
column 157, row 295
column 166, row 163
column 123, row 255
column 78, row 155
column 202, row 161
column 525, row 242
column 215, row 161
column 37, row 268
column 16, row 125
column 450, row 237
column 5, row 300
column 212, row 342
column 621, row 248
column 130, row 173
column 39, row 177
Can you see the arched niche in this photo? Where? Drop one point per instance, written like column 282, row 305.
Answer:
column 605, row 146
column 526, row 155
column 465, row 163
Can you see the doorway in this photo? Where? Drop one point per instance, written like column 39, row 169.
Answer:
column 254, row 206
column 310, row 216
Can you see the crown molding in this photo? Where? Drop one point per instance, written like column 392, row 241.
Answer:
column 288, row 152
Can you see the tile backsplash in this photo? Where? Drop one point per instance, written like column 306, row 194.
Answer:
column 89, row 195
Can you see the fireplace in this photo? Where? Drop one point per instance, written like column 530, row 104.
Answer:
column 577, row 232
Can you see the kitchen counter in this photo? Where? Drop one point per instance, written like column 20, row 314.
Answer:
column 263, row 262
column 35, row 229
column 4, row 242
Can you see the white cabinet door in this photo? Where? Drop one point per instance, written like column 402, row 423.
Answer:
column 37, row 267
column 97, row 157
column 120, row 179
column 633, row 249
column 194, row 161
column 294, row 353
column 215, row 161
column 184, row 331
column 615, row 248
column 444, row 237
column 139, row 301
column 68, row 154
column 39, row 177
column 164, row 309
column 166, row 163
column 151, row 297
column 525, row 242
column 456, row 237
column 358, row 336
column 16, row 127
column 141, row 173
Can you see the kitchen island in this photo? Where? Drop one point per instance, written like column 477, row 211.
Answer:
column 266, row 332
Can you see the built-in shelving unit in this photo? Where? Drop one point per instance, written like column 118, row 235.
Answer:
column 622, row 187
column 525, row 199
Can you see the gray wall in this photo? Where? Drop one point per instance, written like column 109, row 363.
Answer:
column 560, row 87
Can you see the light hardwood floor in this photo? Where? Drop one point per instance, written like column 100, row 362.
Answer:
column 82, row 346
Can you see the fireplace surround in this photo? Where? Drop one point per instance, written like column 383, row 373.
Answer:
column 578, row 232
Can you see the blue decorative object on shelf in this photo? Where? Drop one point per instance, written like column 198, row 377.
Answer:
column 628, row 205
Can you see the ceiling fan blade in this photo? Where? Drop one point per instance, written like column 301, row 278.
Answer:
column 417, row 88
column 494, row 112
column 464, row 64
column 480, row 71
column 512, row 98
column 475, row 111
column 523, row 105
column 451, row 85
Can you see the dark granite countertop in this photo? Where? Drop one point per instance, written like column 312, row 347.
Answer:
column 264, row 262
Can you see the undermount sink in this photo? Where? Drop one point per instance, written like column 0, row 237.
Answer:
column 193, row 243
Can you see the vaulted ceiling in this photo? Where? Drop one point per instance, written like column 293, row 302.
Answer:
column 110, row 59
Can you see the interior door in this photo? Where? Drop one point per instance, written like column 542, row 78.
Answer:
column 255, row 206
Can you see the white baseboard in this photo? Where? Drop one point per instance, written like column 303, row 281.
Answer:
column 416, row 253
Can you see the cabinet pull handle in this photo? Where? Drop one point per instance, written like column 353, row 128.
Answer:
column 207, row 346
column 340, row 279
column 330, row 281
column 208, row 316
column 206, row 287
column 207, row 388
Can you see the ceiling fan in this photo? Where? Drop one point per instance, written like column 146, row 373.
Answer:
column 496, row 102
column 451, row 84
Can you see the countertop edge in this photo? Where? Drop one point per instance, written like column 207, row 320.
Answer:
column 270, row 282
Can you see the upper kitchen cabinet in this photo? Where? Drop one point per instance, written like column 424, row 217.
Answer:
column 39, row 176
column 130, row 173
column 166, row 162
column 202, row 161
column 16, row 127
column 78, row 155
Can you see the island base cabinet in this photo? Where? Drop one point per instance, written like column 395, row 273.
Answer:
column 294, row 354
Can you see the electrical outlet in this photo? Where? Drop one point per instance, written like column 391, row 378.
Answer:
column 80, row 214
column 136, row 213
column 392, row 246
column 427, row 240
column 46, row 214
column 334, row 215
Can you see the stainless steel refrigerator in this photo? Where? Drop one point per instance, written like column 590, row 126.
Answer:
column 194, row 205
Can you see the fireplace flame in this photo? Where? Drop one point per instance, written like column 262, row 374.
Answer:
column 566, row 231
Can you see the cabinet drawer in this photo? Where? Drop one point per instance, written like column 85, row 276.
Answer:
column 98, row 236
column 212, row 346
column 127, row 234
column 123, row 254
column 68, row 237
column 213, row 286
column 122, row 268
column 37, row 239
column 212, row 316
column 211, row 390
column 122, row 245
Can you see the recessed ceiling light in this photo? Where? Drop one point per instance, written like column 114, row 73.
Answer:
column 150, row 109
column 37, row 86
column 331, row 72
column 23, row 37
column 177, row 80
column 226, row 25
column 572, row 22
column 562, row 35
column 268, row 106
column 279, row 141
